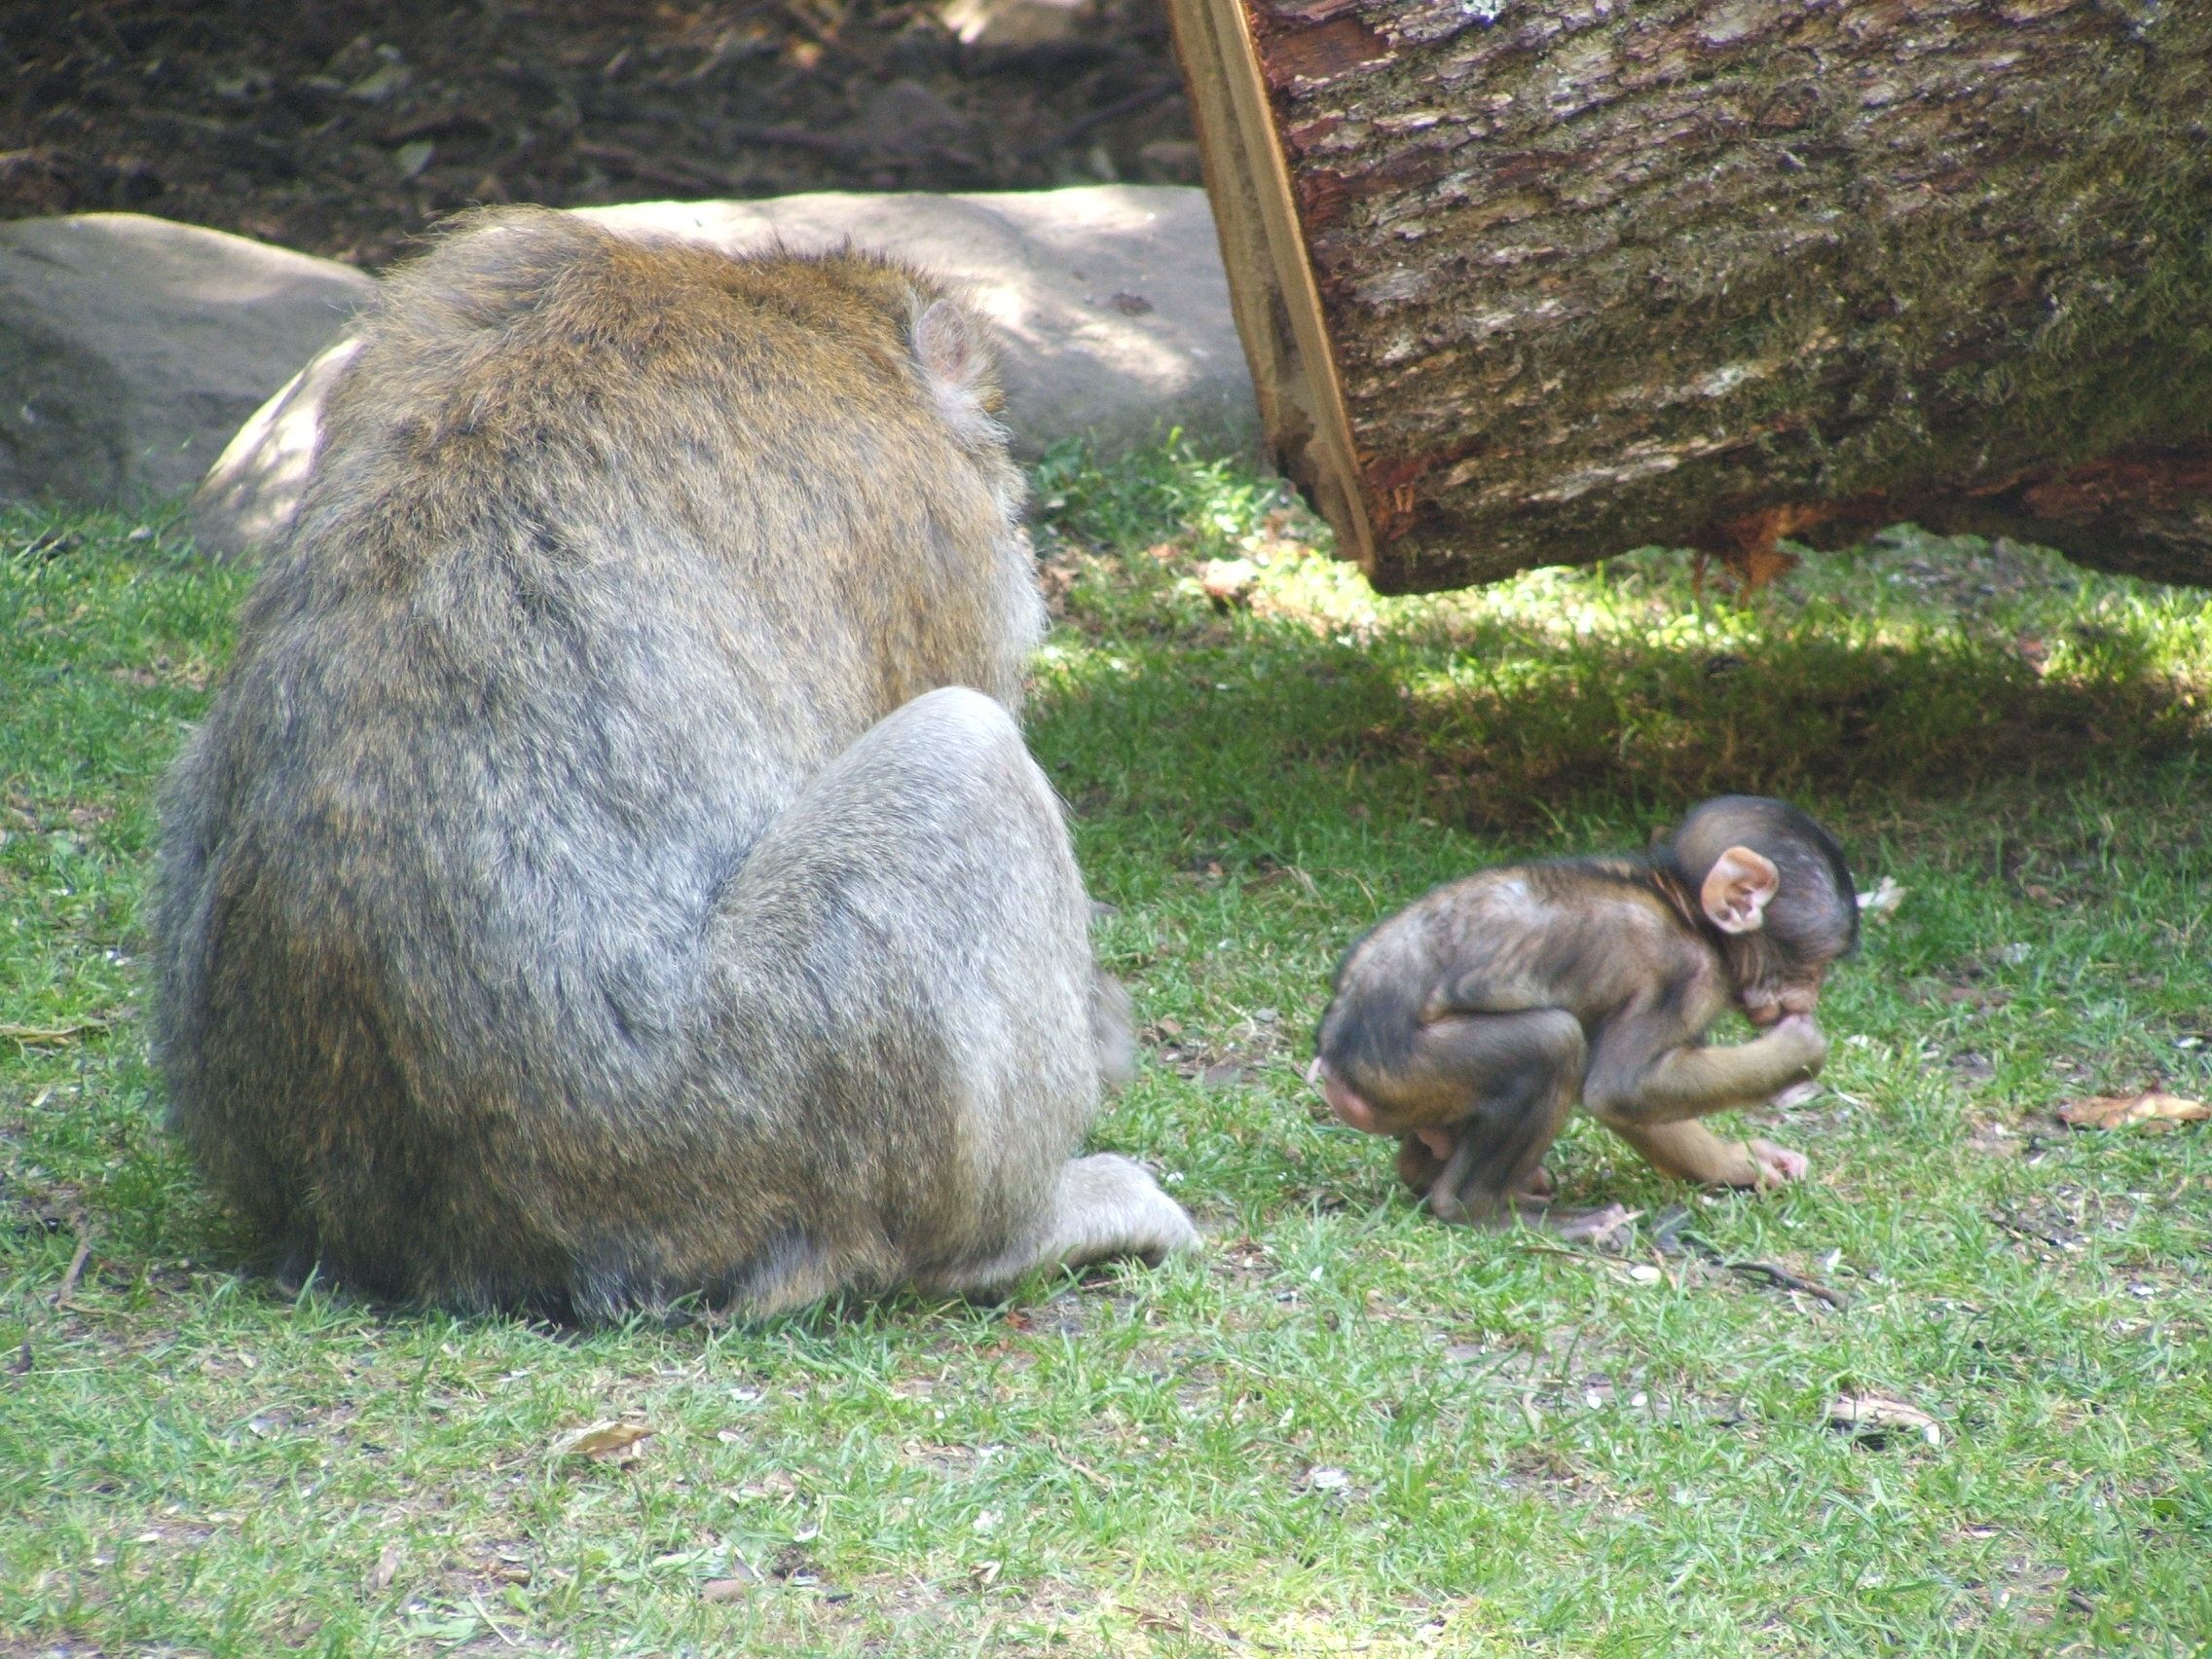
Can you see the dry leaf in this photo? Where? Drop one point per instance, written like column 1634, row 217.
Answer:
column 608, row 1443
column 776, row 1483
column 1758, row 567
column 727, row 1589
column 1228, row 581
column 2153, row 1109
column 386, row 1568
column 1883, row 900
column 1873, row 1418
column 1746, row 544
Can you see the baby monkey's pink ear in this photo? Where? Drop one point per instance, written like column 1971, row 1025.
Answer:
column 1736, row 891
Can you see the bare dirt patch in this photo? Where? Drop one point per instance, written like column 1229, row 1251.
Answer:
column 345, row 128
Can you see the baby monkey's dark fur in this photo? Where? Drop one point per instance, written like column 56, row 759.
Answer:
column 1471, row 1022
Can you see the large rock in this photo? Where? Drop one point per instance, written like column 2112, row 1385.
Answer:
column 1109, row 304
column 132, row 347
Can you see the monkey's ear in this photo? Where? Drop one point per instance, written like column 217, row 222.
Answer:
column 1736, row 891
column 955, row 360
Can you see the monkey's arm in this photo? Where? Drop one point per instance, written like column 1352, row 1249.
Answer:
column 1642, row 1072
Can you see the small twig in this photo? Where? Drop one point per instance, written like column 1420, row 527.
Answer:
column 794, row 137
column 1078, row 1464
column 677, row 174
column 76, row 1264
column 1194, row 1623
column 1782, row 1278
column 1130, row 104
column 1536, row 1249
column 28, row 1034
column 2019, row 1230
column 485, row 1614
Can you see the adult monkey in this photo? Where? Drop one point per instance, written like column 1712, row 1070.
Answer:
column 589, row 888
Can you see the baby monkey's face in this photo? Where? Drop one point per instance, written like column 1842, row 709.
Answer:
column 1771, row 999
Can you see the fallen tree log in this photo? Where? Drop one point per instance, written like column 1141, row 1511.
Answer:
column 1535, row 282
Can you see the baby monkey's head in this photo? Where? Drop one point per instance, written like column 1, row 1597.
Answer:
column 1773, row 886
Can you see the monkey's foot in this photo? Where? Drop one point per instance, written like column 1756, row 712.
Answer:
column 1419, row 1167
column 1776, row 1166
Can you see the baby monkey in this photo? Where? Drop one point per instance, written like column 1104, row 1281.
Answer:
column 1471, row 1022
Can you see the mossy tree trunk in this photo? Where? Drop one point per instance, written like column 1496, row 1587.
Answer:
column 1533, row 281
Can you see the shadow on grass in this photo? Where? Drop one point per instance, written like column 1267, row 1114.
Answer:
column 1505, row 729
column 1808, row 718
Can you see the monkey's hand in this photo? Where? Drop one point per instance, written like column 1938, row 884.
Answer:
column 1797, row 1043
column 1110, row 1028
column 1691, row 1080
column 1748, row 1164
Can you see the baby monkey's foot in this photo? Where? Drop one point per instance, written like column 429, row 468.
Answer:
column 1420, row 1163
column 1776, row 1166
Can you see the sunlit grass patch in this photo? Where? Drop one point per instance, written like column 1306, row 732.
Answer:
column 1343, row 1428
column 1918, row 662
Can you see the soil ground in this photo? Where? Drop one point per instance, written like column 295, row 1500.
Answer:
column 346, row 128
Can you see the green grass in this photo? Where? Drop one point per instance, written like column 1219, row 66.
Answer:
column 1344, row 1428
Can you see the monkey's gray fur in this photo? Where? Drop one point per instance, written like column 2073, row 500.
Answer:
column 590, row 887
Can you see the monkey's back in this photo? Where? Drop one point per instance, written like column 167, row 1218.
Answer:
column 585, row 587
column 1592, row 926
column 1578, row 935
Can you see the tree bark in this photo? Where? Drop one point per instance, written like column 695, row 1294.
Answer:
column 1533, row 281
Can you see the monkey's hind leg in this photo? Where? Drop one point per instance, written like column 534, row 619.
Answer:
column 1102, row 1207
column 909, row 994
column 1522, row 1072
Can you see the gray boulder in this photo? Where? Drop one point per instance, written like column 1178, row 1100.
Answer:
column 1109, row 305
column 1108, row 301
column 132, row 347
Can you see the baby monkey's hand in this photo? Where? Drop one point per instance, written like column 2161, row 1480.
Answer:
column 1800, row 1037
